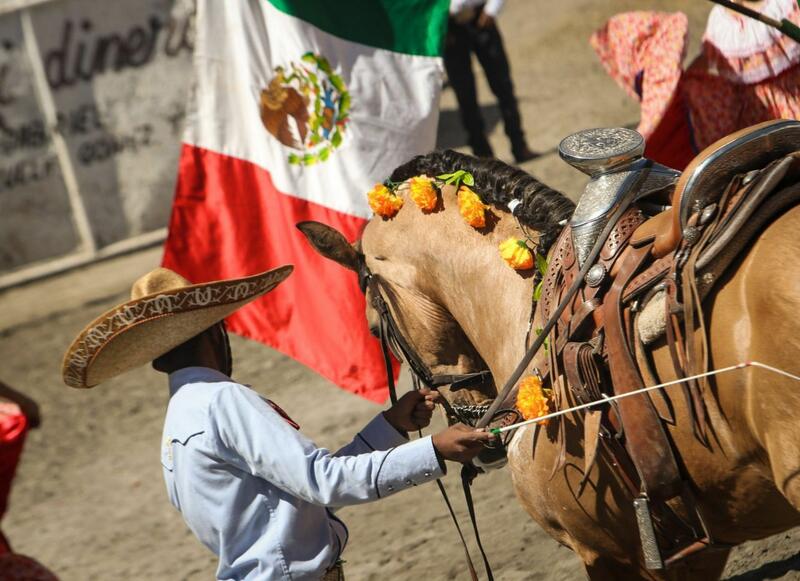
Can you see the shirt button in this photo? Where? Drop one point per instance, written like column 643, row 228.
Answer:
column 390, row 488
column 408, row 482
column 427, row 474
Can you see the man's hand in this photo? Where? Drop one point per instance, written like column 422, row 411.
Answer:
column 485, row 20
column 413, row 411
column 461, row 443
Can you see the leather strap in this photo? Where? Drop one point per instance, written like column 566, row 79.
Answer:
column 470, row 565
column 468, row 474
column 645, row 438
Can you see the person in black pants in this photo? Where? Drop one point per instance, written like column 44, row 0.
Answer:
column 473, row 29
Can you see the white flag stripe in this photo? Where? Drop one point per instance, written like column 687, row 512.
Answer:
column 394, row 101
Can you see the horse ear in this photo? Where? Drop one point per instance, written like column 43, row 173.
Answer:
column 330, row 243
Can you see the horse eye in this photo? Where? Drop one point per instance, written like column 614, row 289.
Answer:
column 381, row 258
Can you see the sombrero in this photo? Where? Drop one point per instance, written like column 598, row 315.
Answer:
column 165, row 310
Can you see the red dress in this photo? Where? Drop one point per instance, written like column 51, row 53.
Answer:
column 746, row 73
column 13, row 429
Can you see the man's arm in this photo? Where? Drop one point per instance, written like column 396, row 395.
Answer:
column 488, row 15
column 250, row 434
column 390, row 428
column 247, row 432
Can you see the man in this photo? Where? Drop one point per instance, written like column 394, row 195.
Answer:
column 249, row 485
column 473, row 28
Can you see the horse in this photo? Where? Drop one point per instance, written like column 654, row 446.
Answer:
column 462, row 309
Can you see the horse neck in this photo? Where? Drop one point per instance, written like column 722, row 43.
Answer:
column 490, row 301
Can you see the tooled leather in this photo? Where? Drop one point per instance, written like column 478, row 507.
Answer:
column 621, row 233
column 650, row 275
column 550, row 288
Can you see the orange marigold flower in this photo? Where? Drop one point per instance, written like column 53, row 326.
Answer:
column 423, row 192
column 532, row 399
column 471, row 207
column 516, row 254
column 383, row 202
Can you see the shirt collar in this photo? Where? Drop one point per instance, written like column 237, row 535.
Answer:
column 179, row 378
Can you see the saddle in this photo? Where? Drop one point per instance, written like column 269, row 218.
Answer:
column 648, row 283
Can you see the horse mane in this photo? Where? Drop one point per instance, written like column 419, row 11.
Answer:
column 542, row 209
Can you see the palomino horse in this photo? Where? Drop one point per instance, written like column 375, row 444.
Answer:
column 462, row 309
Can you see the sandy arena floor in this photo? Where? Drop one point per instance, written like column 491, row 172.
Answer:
column 89, row 499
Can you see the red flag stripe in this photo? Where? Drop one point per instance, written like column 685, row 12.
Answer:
column 229, row 220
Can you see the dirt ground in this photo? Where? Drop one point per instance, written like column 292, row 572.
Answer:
column 89, row 500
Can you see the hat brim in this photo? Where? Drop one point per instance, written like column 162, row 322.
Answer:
column 141, row 330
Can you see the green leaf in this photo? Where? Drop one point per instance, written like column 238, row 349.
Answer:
column 309, row 159
column 445, row 176
column 546, row 345
column 336, row 139
column 541, row 264
column 468, row 179
column 324, row 153
column 344, row 105
column 324, row 65
column 537, row 293
column 455, row 177
column 337, row 83
column 309, row 58
column 294, row 159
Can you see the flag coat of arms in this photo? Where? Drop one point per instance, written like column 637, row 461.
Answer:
column 299, row 108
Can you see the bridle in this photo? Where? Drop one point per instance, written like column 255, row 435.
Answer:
column 392, row 341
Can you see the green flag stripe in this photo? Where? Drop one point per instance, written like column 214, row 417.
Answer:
column 407, row 26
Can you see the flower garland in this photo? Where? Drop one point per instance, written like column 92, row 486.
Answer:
column 471, row 207
column 533, row 401
column 384, row 202
column 424, row 192
column 516, row 254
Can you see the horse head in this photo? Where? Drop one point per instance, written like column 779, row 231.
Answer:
column 456, row 304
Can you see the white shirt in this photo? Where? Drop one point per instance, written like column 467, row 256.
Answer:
column 258, row 493
column 492, row 7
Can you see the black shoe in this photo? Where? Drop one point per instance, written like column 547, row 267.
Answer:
column 483, row 150
column 524, row 154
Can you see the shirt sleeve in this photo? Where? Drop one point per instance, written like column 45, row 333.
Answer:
column 493, row 7
column 248, row 433
column 379, row 434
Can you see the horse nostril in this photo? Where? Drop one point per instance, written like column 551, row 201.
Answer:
column 375, row 331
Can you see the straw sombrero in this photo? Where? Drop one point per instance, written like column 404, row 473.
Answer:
column 165, row 310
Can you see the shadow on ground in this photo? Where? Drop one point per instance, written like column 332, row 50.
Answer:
column 774, row 570
column 451, row 134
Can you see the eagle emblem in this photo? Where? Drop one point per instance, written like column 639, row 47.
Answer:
column 306, row 107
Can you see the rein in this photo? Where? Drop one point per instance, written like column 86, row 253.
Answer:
column 390, row 334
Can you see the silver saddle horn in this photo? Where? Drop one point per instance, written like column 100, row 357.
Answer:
column 613, row 158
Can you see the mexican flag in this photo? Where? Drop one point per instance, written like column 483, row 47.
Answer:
column 300, row 107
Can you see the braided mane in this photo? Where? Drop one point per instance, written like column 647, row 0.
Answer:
column 542, row 209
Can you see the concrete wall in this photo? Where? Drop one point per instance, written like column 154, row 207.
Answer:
column 92, row 96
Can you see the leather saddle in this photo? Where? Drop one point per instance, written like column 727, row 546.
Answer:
column 711, row 170
column 718, row 205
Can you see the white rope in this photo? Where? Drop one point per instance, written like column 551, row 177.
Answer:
column 607, row 399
